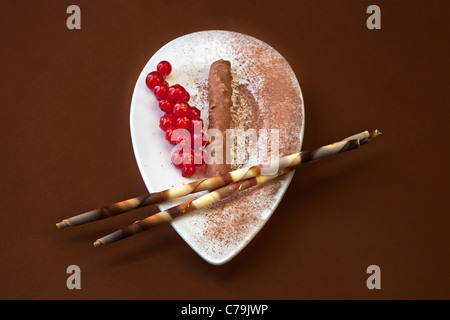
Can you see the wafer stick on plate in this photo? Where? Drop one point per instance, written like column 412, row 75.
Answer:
column 221, row 193
column 186, row 207
column 216, row 182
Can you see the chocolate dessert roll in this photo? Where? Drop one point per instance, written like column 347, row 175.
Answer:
column 220, row 102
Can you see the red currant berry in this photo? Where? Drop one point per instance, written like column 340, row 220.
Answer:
column 160, row 91
column 177, row 159
column 181, row 109
column 182, row 139
column 183, row 123
column 198, row 140
column 176, row 93
column 188, row 170
column 153, row 78
column 186, row 97
column 167, row 121
column 164, row 68
column 166, row 106
column 179, row 136
column 188, row 158
column 196, row 126
column 169, row 134
column 199, row 158
column 194, row 113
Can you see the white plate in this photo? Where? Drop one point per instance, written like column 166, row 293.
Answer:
column 217, row 233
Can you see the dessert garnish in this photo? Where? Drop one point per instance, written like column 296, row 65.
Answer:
column 290, row 162
column 178, row 114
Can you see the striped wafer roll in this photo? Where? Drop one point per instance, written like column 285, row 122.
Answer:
column 186, row 207
column 216, row 182
column 112, row 210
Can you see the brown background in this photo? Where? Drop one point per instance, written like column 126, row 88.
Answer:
column 66, row 148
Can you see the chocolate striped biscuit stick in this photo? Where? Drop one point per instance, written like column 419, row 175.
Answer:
column 186, row 207
column 216, row 182
column 224, row 192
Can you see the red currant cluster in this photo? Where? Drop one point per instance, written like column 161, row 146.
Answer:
column 173, row 100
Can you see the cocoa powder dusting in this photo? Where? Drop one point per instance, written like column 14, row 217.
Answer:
column 245, row 112
column 265, row 96
column 231, row 221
